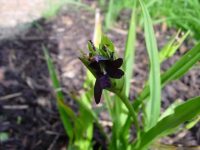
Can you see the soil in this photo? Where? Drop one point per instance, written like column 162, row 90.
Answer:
column 27, row 105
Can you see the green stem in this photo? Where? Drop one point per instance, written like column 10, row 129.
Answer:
column 125, row 100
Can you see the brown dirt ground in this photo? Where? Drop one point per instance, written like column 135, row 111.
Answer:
column 27, row 105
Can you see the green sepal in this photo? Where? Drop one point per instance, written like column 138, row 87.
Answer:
column 106, row 47
column 91, row 48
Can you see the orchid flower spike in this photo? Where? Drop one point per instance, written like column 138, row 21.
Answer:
column 103, row 65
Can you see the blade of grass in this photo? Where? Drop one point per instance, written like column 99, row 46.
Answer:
column 170, row 109
column 86, row 105
column 65, row 111
column 176, row 71
column 192, row 123
column 183, row 112
column 109, row 14
column 82, row 124
column 108, row 102
column 153, row 105
column 129, row 55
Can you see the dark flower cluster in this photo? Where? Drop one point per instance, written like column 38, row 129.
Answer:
column 104, row 69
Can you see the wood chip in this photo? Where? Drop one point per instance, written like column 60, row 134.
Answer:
column 16, row 107
column 10, row 96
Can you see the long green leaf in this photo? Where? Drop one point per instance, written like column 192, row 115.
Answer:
column 109, row 14
column 185, row 63
column 153, row 105
column 65, row 111
column 129, row 55
column 176, row 71
column 183, row 112
column 84, row 104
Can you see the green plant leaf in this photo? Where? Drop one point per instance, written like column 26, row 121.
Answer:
column 170, row 109
column 192, row 122
column 171, row 47
column 182, row 66
column 105, row 41
column 90, row 48
column 176, row 71
column 153, row 105
column 128, row 66
column 129, row 55
column 109, row 15
column 85, row 105
column 183, row 112
column 65, row 111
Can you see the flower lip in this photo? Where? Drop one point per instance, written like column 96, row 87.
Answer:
column 101, row 83
column 105, row 81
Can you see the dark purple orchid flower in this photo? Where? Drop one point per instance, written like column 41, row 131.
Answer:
column 110, row 69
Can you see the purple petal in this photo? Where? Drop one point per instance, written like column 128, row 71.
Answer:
column 115, row 73
column 97, row 91
column 105, row 82
column 117, row 63
column 114, row 64
column 96, row 67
